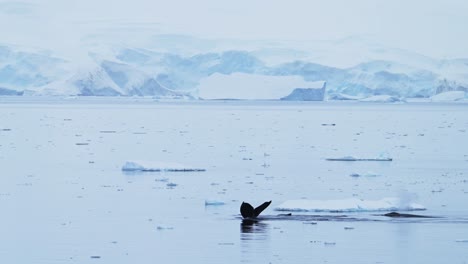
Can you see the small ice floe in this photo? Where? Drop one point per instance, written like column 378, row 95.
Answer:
column 461, row 240
column 226, row 244
column 162, row 179
column 164, row 228
column 349, row 205
column 171, row 185
column 107, row 131
column 157, row 166
column 348, row 228
column 351, row 158
column 214, row 203
column 329, row 243
column 369, row 174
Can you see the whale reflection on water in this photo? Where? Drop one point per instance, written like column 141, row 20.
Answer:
column 253, row 230
column 255, row 240
column 254, row 225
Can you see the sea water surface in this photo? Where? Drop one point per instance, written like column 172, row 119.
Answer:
column 65, row 199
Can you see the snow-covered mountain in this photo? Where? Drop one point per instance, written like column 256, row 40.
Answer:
column 22, row 70
column 134, row 71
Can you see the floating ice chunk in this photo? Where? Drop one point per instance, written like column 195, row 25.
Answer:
column 164, row 228
column 156, row 166
column 349, row 205
column 214, row 203
column 369, row 174
column 162, row 180
column 462, row 240
column 351, row 158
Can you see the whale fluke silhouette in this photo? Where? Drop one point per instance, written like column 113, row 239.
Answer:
column 247, row 210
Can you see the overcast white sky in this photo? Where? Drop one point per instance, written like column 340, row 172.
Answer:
column 436, row 28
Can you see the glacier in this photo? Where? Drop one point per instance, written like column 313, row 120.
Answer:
column 137, row 71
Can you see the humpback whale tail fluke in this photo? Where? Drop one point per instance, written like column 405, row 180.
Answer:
column 247, row 210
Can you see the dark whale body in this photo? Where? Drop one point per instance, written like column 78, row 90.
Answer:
column 247, row 210
column 400, row 215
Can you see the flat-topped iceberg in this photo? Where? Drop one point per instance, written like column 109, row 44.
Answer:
column 349, row 205
column 157, row 166
column 244, row 86
column 450, row 96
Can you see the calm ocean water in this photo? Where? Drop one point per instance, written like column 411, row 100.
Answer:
column 65, row 199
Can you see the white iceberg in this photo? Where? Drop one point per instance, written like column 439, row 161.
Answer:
column 349, row 205
column 243, row 86
column 448, row 96
column 157, row 166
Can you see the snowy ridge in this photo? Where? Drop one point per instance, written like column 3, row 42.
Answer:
column 157, row 166
column 349, row 205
